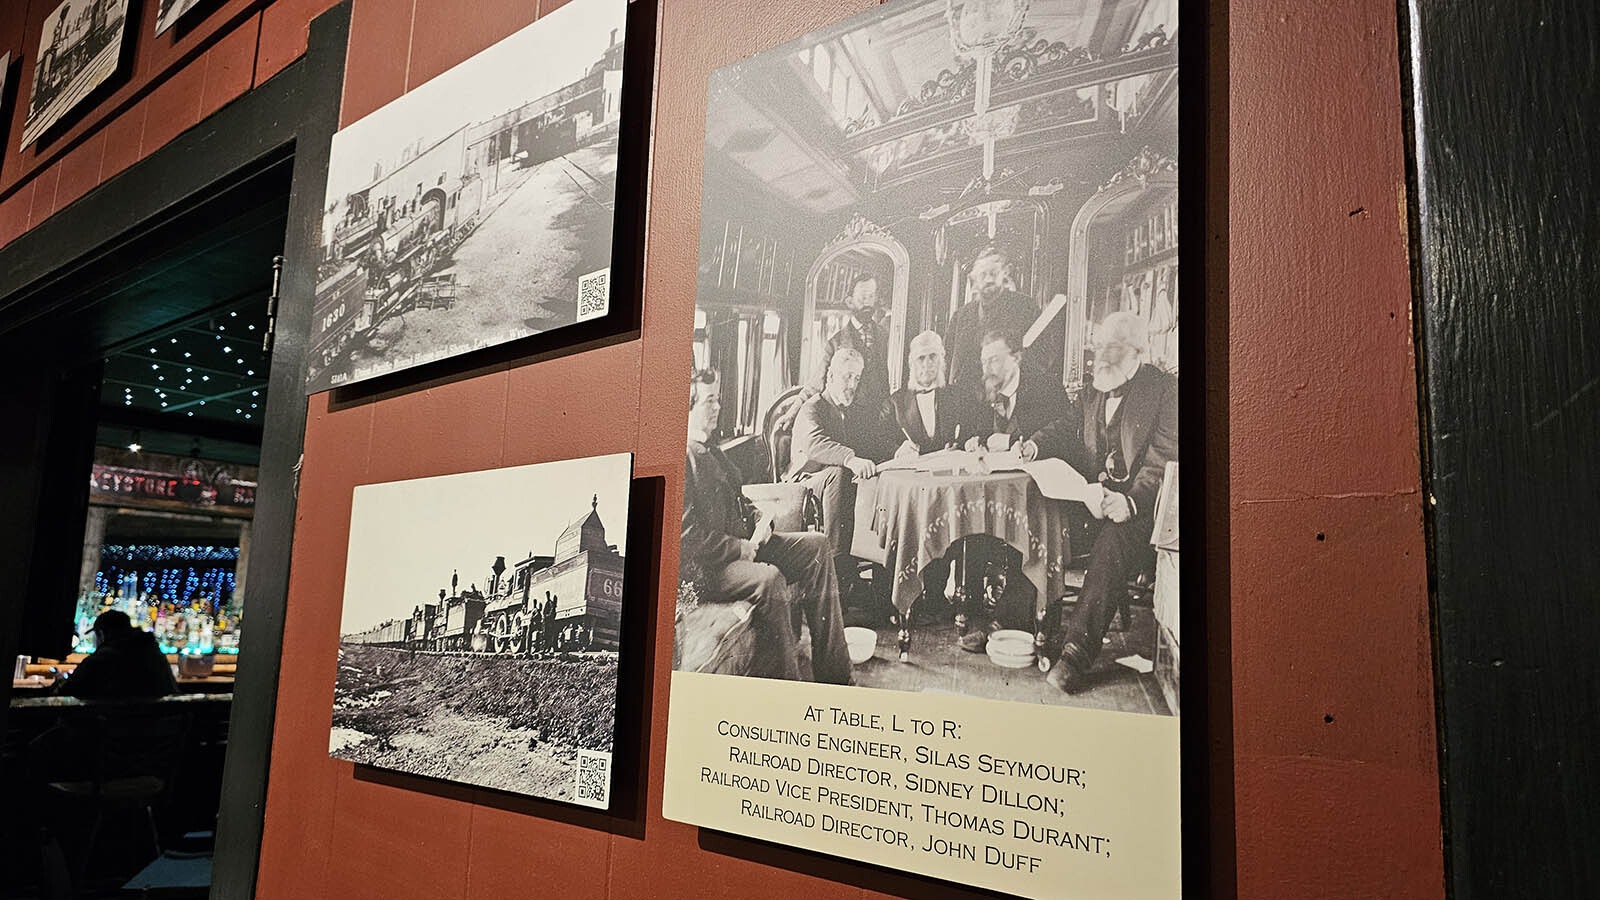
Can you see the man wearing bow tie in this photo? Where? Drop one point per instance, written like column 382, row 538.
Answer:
column 932, row 415
column 1029, row 408
column 1024, row 409
column 1129, row 434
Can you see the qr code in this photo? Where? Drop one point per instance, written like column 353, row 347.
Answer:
column 593, row 777
column 594, row 295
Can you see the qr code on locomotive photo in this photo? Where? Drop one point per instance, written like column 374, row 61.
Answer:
column 593, row 776
column 594, row 295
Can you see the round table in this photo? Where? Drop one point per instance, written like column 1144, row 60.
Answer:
column 918, row 515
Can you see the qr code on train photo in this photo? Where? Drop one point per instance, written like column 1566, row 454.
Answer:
column 594, row 295
column 593, row 775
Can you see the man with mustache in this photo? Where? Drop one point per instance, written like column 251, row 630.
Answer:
column 1029, row 409
column 1129, row 432
column 1025, row 410
column 867, row 336
column 831, row 451
column 997, row 307
column 731, row 550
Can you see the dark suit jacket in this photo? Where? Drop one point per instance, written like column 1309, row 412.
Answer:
column 716, row 513
column 963, row 338
column 957, row 415
column 1010, row 311
column 1147, row 431
column 1043, row 413
column 131, row 666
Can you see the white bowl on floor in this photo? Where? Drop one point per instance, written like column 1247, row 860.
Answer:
column 1010, row 648
column 863, row 642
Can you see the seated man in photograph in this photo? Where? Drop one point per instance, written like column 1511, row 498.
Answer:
column 1025, row 410
column 733, row 553
column 836, row 443
column 932, row 415
column 1129, row 432
column 1030, row 409
column 126, row 663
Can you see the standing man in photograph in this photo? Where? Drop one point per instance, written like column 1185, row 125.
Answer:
column 865, row 335
column 994, row 306
column 732, row 551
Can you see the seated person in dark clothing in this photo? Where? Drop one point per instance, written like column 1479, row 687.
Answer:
column 731, row 550
column 1127, row 434
column 931, row 414
column 1032, row 410
column 126, row 662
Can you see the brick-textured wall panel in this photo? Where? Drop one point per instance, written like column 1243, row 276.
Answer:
column 123, row 136
column 1323, row 420
column 283, row 33
column 380, row 48
column 80, row 170
column 230, row 66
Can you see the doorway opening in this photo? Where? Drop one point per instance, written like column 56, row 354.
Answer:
column 150, row 379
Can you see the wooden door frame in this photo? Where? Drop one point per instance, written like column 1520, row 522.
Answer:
column 292, row 115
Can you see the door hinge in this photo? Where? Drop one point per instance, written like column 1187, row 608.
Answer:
column 272, row 305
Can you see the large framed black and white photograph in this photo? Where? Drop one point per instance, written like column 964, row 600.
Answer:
column 478, row 208
column 481, row 628
column 80, row 47
column 930, row 530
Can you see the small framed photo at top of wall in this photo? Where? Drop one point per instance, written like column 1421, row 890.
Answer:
column 170, row 11
column 80, row 48
column 499, row 201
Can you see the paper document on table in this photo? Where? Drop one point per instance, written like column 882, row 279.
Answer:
column 909, row 463
column 937, row 461
column 1059, row 481
column 1005, row 461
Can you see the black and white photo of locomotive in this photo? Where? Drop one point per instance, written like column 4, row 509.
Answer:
column 461, row 661
column 540, row 173
column 568, row 602
column 79, row 48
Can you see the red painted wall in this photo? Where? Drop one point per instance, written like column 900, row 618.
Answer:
column 1334, row 777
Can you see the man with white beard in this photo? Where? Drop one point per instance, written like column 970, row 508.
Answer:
column 1130, row 433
